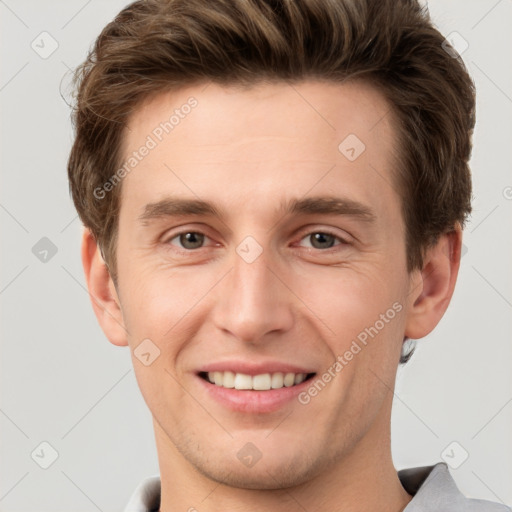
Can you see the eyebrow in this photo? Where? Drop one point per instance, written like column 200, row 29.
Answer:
column 323, row 205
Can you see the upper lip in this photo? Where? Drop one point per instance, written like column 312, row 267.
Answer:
column 251, row 368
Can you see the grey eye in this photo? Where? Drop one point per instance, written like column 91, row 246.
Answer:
column 322, row 240
column 191, row 240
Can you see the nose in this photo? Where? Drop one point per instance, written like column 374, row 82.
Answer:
column 253, row 301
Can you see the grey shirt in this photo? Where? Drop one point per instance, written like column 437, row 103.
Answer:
column 432, row 487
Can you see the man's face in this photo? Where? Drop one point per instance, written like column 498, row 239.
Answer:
column 256, row 289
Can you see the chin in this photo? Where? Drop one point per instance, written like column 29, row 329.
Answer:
column 267, row 474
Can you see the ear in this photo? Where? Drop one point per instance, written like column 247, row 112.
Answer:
column 102, row 292
column 433, row 286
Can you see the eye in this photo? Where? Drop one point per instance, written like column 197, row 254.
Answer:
column 189, row 240
column 193, row 240
column 323, row 240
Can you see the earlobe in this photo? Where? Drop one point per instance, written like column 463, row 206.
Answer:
column 432, row 292
column 102, row 292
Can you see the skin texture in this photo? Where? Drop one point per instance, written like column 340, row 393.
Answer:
column 247, row 151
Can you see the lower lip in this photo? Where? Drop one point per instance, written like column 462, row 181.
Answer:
column 251, row 401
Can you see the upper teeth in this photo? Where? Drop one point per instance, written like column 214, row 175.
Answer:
column 262, row 382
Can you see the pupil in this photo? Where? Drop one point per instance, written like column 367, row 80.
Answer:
column 191, row 240
column 321, row 238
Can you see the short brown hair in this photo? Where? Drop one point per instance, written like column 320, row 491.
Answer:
column 155, row 45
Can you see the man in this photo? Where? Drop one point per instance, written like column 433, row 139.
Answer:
column 274, row 195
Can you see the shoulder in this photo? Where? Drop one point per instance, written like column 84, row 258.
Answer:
column 486, row 506
column 434, row 489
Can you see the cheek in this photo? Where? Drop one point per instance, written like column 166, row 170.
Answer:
column 348, row 300
column 156, row 300
column 342, row 302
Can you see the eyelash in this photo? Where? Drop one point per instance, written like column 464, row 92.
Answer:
column 182, row 250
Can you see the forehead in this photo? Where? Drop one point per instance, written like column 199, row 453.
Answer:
column 265, row 109
column 267, row 139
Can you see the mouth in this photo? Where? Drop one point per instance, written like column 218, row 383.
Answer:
column 253, row 387
column 260, row 382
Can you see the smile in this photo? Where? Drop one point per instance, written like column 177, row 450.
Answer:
column 261, row 382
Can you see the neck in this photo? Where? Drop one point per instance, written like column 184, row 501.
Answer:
column 363, row 480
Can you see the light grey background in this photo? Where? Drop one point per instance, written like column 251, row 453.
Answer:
column 63, row 383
